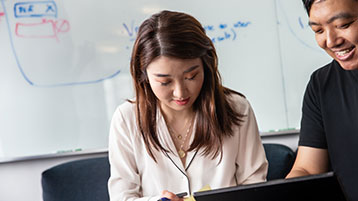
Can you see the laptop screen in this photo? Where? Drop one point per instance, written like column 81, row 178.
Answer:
column 313, row 187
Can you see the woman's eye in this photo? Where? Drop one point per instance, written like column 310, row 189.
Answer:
column 192, row 77
column 165, row 83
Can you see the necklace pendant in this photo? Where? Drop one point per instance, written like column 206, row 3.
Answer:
column 181, row 153
column 180, row 137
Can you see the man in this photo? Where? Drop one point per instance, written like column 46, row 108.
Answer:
column 329, row 125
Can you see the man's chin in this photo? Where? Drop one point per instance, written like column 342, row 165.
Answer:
column 351, row 64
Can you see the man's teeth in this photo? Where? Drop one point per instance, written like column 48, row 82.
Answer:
column 342, row 53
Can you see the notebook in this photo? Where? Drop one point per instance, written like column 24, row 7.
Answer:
column 313, row 187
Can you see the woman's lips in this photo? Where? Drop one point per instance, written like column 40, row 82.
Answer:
column 182, row 102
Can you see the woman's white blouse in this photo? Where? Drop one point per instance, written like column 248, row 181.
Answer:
column 136, row 176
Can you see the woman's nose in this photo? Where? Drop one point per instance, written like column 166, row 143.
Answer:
column 179, row 90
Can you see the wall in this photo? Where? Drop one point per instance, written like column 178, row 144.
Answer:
column 64, row 65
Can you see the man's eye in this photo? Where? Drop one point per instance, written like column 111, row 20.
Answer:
column 318, row 31
column 344, row 26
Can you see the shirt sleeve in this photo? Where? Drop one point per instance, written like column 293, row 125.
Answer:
column 124, row 183
column 251, row 162
column 312, row 131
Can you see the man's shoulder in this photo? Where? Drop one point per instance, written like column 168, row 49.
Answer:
column 327, row 75
column 324, row 71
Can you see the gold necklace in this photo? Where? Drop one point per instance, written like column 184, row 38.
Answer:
column 181, row 151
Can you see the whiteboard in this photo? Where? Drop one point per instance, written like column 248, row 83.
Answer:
column 64, row 65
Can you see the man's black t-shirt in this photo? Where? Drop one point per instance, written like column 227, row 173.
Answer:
column 330, row 121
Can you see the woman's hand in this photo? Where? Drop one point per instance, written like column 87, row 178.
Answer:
column 171, row 196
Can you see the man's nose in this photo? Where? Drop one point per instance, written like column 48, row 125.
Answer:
column 332, row 39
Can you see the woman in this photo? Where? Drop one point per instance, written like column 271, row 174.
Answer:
column 183, row 130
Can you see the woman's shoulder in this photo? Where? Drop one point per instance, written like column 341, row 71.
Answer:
column 127, row 106
column 239, row 102
column 124, row 117
column 126, row 109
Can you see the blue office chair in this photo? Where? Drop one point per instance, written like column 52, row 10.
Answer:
column 77, row 180
column 280, row 159
column 87, row 179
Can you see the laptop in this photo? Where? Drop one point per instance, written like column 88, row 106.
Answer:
column 313, row 187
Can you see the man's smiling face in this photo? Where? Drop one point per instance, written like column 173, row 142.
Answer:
column 335, row 23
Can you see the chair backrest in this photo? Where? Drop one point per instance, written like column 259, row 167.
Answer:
column 280, row 158
column 87, row 179
column 77, row 180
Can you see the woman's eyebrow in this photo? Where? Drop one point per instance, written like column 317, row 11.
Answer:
column 161, row 75
column 191, row 69
column 186, row 71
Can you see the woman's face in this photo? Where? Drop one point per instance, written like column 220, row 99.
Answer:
column 175, row 82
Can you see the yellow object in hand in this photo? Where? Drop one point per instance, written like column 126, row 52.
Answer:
column 191, row 198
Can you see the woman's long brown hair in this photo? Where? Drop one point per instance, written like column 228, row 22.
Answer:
column 180, row 35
